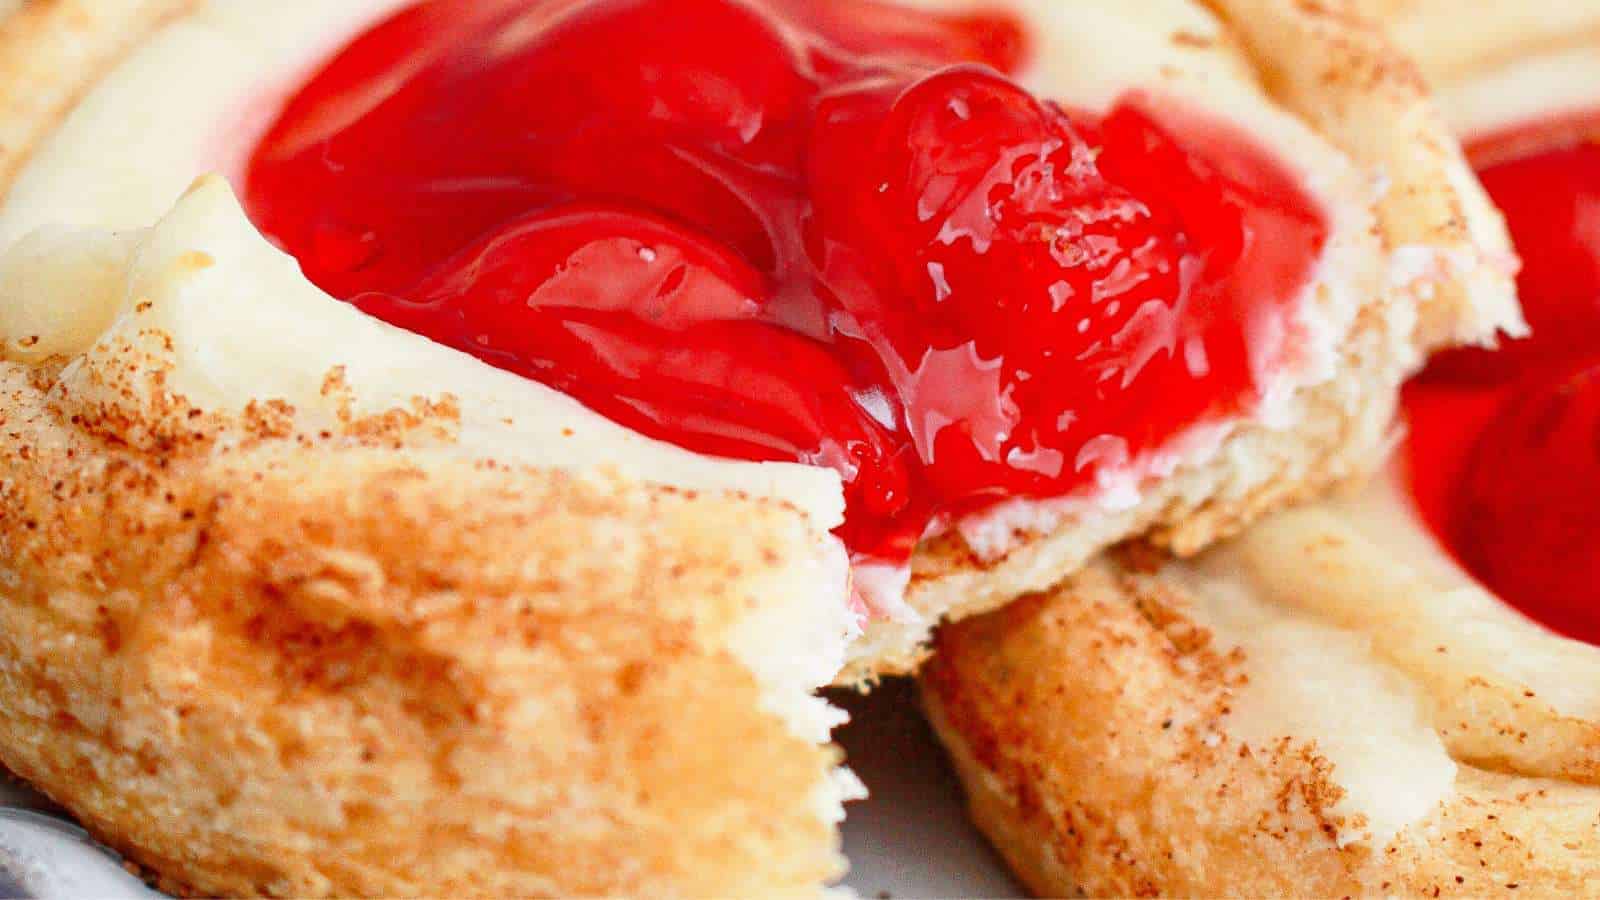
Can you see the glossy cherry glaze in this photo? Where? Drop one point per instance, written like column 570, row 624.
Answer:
column 1505, row 444
column 825, row 231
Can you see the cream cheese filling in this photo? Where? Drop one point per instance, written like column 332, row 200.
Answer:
column 169, row 124
column 1308, row 679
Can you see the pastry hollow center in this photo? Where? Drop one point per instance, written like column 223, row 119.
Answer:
column 1504, row 453
column 825, row 231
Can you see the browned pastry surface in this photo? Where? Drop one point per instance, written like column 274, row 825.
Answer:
column 280, row 669
column 1096, row 733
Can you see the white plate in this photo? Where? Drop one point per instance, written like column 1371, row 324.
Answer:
column 911, row 837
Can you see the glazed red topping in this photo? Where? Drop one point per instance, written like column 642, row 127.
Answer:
column 1505, row 447
column 826, row 231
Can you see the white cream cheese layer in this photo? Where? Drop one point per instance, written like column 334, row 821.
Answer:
column 1317, row 682
column 1367, row 562
column 1363, row 635
column 1455, row 43
column 197, row 96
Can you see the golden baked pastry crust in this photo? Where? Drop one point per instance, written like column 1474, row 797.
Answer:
column 265, row 670
column 1453, row 41
column 259, row 660
column 1091, row 727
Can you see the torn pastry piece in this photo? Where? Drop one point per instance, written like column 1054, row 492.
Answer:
column 1393, row 691
column 924, row 306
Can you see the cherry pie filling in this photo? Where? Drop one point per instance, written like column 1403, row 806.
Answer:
column 833, row 232
column 1505, row 444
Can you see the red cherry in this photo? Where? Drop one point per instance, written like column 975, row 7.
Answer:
column 987, row 227
column 649, row 323
column 1528, row 516
column 1030, row 275
column 1503, row 451
column 781, row 231
column 680, row 127
column 680, row 83
column 586, row 256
